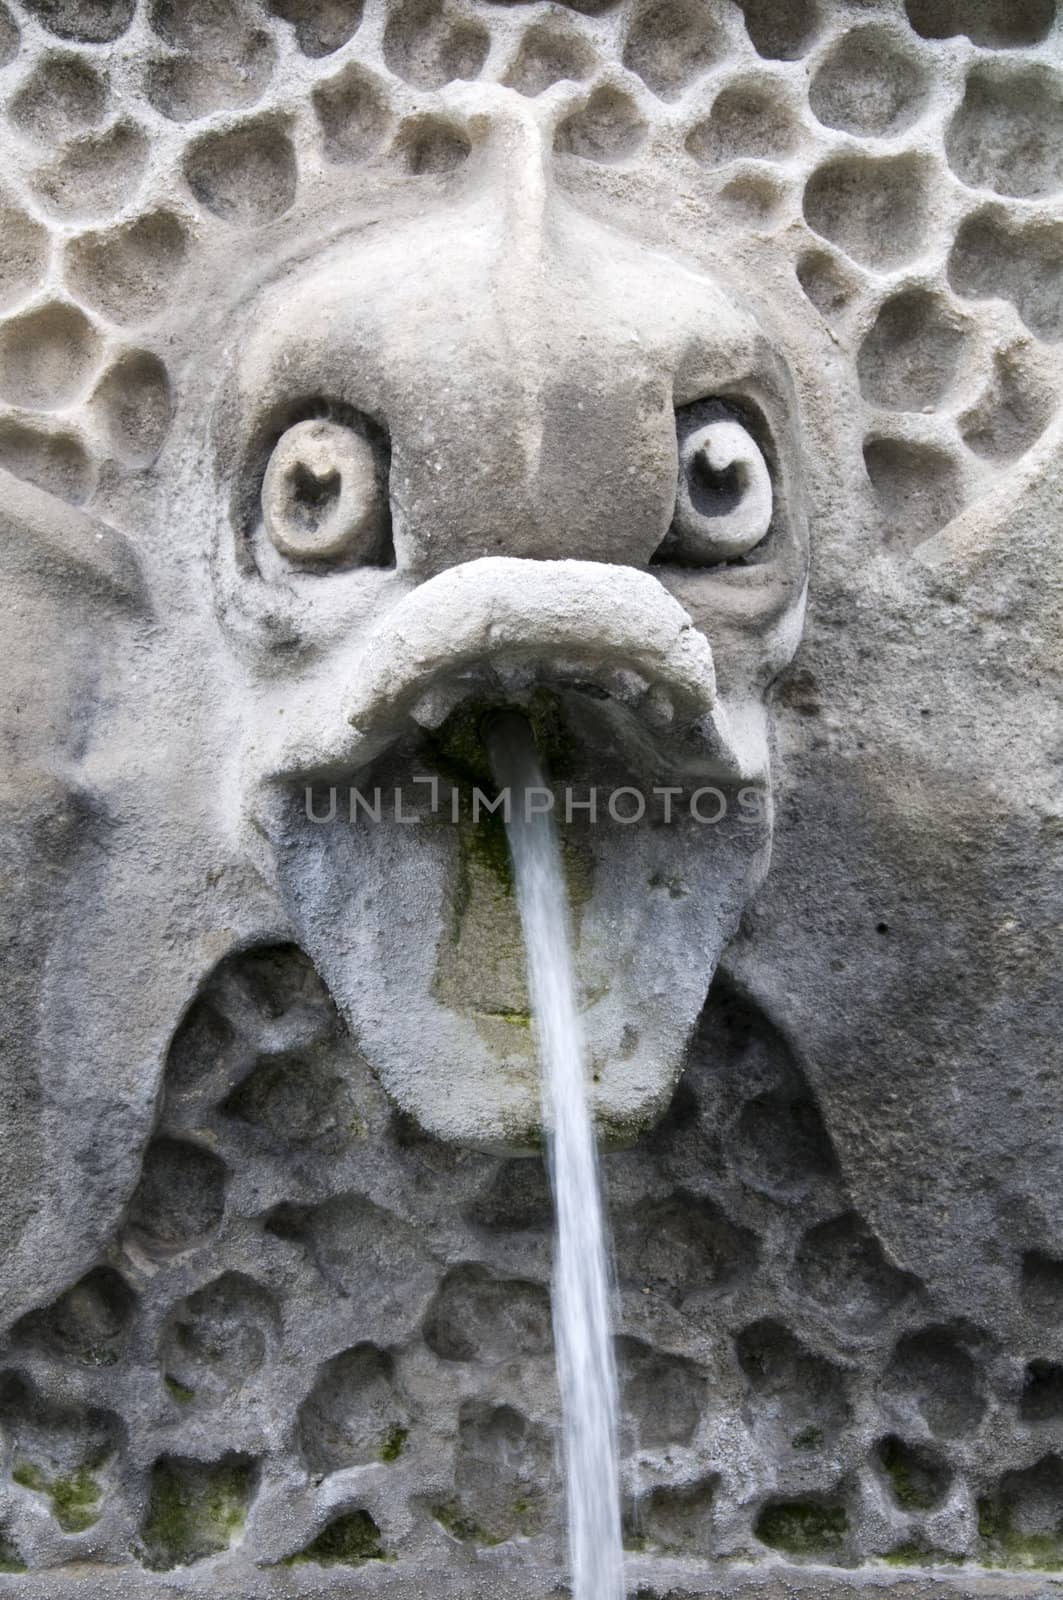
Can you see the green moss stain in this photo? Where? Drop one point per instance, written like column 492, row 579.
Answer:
column 917, row 1555
column 917, row 1484
column 346, row 1541
column 515, row 1019
column 809, row 1438
column 484, row 844
column 461, row 1526
column 195, row 1509
column 394, row 1443
column 180, row 1392
column 807, row 1528
column 75, row 1499
column 457, row 753
column 1005, row 1546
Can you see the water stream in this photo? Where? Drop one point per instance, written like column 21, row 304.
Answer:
column 582, row 1332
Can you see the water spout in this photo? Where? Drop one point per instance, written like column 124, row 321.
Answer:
column 582, row 1333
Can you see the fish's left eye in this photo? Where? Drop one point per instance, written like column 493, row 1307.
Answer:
column 323, row 495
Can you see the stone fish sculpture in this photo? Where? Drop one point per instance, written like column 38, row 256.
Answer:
column 365, row 371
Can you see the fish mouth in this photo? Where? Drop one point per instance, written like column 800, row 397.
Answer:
column 630, row 671
column 416, row 930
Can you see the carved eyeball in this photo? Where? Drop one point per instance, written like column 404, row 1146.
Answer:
column 323, row 497
column 723, row 502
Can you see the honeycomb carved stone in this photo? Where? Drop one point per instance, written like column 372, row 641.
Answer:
column 687, row 375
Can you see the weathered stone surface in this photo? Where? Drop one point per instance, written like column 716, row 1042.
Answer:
column 364, row 369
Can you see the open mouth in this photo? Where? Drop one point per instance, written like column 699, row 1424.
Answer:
column 416, row 929
column 619, row 658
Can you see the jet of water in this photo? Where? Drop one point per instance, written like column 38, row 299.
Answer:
column 582, row 1333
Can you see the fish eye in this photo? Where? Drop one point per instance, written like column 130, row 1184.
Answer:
column 724, row 498
column 324, row 497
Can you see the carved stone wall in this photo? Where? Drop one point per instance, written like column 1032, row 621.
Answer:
column 275, row 1299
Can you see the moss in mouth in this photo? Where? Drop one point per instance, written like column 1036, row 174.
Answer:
column 457, row 750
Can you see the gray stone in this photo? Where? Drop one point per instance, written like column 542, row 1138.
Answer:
column 686, row 375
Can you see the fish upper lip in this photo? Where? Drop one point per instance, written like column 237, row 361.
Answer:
column 573, row 624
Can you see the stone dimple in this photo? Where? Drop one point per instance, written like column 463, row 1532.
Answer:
column 813, row 1529
column 936, row 1369
column 217, row 1338
column 683, row 1245
column 869, row 83
column 246, row 175
column 62, row 96
column 25, row 246
column 781, row 32
column 1007, row 135
column 477, row 1317
column 131, row 272
column 663, row 1395
column 670, row 43
column 134, row 403
column 53, row 458
column 504, row 1474
column 195, row 1508
column 321, row 26
column 47, row 356
column 995, row 256
column 909, row 358
column 296, row 1098
column 841, row 1265
column 354, row 1413
column 87, row 21
column 64, row 1453
column 996, row 24
column 827, row 282
column 917, row 1475
column 96, row 175
column 1015, row 409
column 918, row 486
column 1041, row 1286
column 353, row 113
column 782, row 1146
column 429, row 144
column 803, row 1394
column 1019, row 1519
column 187, row 87
column 517, row 1198
column 428, row 46
column 748, row 119
column 89, row 1322
column 676, row 1520
column 548, row 54
column 873, row 207
column 752, row 199
column 1042, row 1392
column 180, row 1197
column 607, row 128
column 348, row 1239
